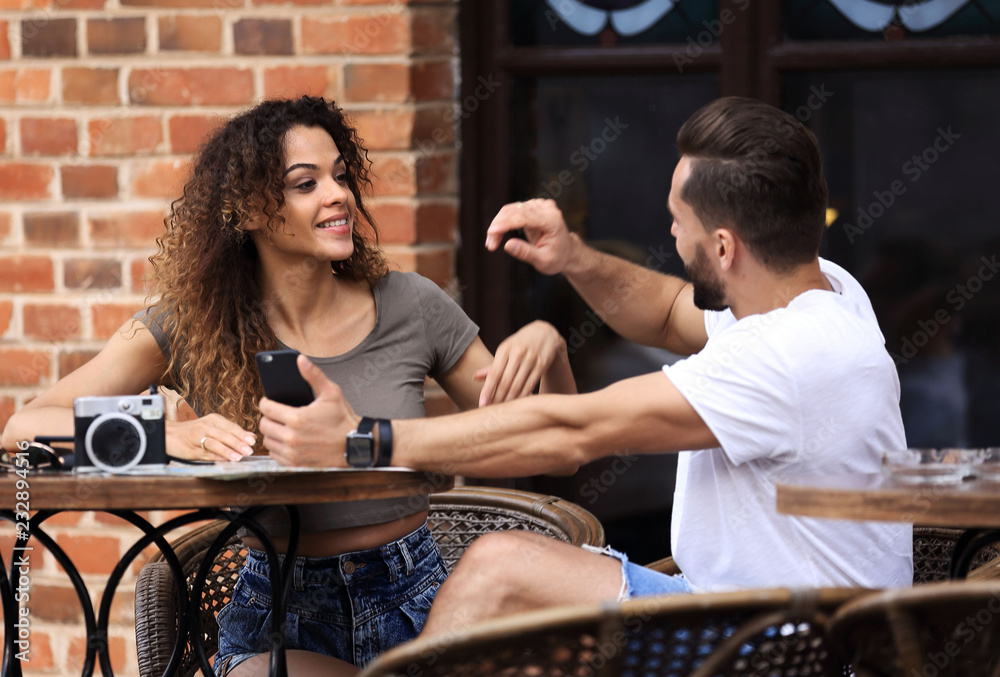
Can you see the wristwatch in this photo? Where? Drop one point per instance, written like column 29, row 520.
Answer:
column 360, row 450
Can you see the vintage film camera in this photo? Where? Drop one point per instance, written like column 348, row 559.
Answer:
column 116, row 433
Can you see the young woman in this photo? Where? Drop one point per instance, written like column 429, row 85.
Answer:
column 271, row 246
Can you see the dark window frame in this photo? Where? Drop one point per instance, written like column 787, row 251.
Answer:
column 750, row 59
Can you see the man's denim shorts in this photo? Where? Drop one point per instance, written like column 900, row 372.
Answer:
column 638, row 581
column 353, row 606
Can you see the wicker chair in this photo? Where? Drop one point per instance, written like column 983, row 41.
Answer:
column 756, row 632
column 937, row 629
column 932, row 551
column 456, row 518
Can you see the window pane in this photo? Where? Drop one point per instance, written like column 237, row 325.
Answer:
column 888, row 20
column 912, row 164
column 604, row 149
column 612, row 22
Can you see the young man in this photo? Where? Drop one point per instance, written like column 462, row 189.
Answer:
column 787, row 374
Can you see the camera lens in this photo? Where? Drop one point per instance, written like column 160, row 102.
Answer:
column 115, row 442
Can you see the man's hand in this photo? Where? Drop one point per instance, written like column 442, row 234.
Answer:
column 314, row 435
column 550, row 246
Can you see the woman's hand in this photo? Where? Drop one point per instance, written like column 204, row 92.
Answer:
column 209, row 438
column 522, row 360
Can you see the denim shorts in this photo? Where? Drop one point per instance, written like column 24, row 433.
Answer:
column 352, row 606
column 639, row 581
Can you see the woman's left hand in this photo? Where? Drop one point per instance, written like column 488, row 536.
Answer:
column 520, row 362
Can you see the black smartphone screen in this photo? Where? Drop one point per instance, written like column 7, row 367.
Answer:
column 281, row 378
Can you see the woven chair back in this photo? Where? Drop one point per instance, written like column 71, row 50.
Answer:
column 760, row 632
column 940, row 629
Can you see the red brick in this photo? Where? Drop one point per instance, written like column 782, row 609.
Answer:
column 55, row 604
column 190, row 33
column 163, row 4
column 39, row 659
column 123, row 605
column 6, row 411
column 23, row 181
column 385, row 129
column 191, row 86
column 6, row 312
column 393, row 175
column 434, row 30
column 379, row 82
column 22, row 367
column 437, row 222
column 52, row 229
column 189, row 132
column 46, row 37
column 7, row 542
column 26, row 273
column 65, row 519
column 263, row 37
column 118, row 652
column 89, row 181
column 90, row 86
column 5, row 227
column 53, row 323
column 70, row 361
column 437, row 264
column 296, row 3
column 397, row 222
column 4, row 41
column 437, row 173
column 433, row 80
column 138, row 135
column 107, row 318
column 385, row 32
column 141, row 271
column 3, row 136
column 92, row 273
column 294, row 81
column 24, row 85
column 131, row 230
column 90, row 554
column 160, row 178
column 47, row 136
column 80, row 4
column 434, row 128
column 116, row 36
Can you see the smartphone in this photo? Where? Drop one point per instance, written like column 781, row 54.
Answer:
column 281, row 378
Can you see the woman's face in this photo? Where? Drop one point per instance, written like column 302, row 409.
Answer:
column 319, row 208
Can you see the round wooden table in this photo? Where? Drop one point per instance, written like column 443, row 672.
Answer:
column 27, row 500
column 973, row 505
column 874, row 496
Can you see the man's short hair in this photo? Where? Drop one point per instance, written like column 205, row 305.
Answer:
column 757, row 170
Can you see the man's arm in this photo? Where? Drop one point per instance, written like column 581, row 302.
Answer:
column 642, row 305
column 645, row 414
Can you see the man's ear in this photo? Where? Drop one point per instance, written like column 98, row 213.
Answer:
column 724, row 243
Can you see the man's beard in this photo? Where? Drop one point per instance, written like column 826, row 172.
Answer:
column 708, row 291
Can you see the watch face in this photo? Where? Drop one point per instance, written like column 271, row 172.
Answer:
column 360, row 450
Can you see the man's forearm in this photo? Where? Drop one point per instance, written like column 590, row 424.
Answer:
column 635, row 301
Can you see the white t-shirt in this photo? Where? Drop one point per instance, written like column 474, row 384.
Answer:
column 805, row 389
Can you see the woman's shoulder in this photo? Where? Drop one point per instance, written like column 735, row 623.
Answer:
column 408, row 284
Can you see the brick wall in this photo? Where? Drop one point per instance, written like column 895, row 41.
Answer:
column 102, row 103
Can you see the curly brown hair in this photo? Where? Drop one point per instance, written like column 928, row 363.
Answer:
column 205, row 268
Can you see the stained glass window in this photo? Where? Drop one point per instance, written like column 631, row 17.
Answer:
column 888, row 19
column 613, row 22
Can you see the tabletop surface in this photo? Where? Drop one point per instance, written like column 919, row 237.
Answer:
column 974, row 503
column 85, row 491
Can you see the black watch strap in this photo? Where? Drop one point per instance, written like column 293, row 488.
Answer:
column 384, row 443
column 366, row 425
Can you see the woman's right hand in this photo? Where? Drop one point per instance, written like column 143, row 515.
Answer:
column 209, row 438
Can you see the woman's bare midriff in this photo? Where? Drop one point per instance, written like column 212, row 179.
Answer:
column 338, row 541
